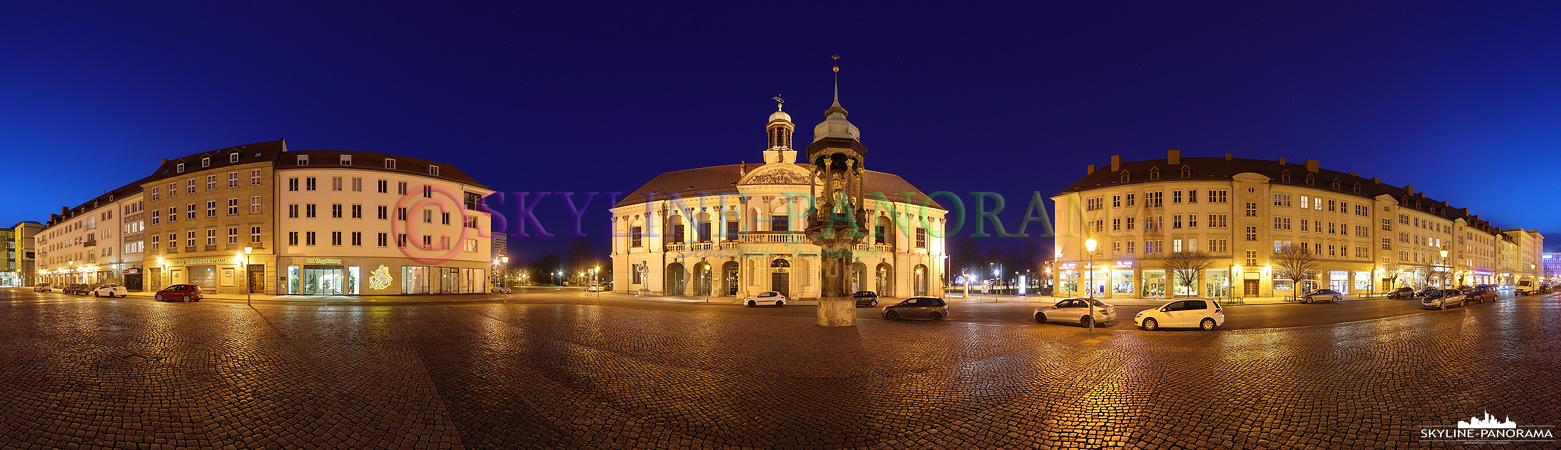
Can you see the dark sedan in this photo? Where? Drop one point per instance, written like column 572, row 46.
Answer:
column 181, row 292
column 1480, row 294
column 865, row 298
column 930, row 307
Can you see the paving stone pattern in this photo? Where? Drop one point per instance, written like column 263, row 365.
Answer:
column 134, row 374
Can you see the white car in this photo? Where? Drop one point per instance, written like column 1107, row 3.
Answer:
column 110, row 290
column 1076, row 310
column 1202, row 313
column 594, row 288
column 770, row 297
column 500, row 289
column 1443, row 299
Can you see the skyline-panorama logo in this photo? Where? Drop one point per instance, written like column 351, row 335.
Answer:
column 1487, row 429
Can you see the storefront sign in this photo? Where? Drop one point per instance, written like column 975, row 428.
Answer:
column 200, row 261
column 132, row 271
column 328, row 261
column 1124, row 264
column 1066, row 266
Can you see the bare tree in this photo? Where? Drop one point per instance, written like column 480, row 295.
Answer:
column 1294, row 264
column 1186, row 267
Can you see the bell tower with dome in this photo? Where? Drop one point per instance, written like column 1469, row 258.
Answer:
column 780, row 129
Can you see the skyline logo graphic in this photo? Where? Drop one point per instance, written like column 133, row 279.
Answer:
column 1487, row 430
column 1489, row 422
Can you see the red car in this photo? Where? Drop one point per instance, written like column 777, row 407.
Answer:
column 181, row 292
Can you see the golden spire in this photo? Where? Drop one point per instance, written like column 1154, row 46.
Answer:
column 836, row 106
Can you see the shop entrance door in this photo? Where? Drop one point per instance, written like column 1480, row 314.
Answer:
column 322, row 280
column 256, row 278
column 1249, row 288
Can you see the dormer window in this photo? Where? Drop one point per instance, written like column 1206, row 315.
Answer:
column 206, row 162
column 303, row 160
column 1154, row 173
column 1311, row 180
column 1284, row 177
column 1186, row 172
column 233, row 157
column 433, row 170
column 179, row 168
column 390, row 163
column 1335, row 184
column 1357, row 188
column 1126, row 177
column 346, row 160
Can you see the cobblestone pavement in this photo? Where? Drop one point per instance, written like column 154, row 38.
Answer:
column 132, row 373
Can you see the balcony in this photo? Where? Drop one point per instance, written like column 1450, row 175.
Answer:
column 90, row 243
column 772, row 238
column 675, row 248
column 873, row 248
column 701, row 246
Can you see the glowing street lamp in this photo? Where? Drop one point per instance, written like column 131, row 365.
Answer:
column 1449, row 270
column 1089, row 247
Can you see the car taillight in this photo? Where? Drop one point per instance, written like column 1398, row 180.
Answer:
column 1217, row 310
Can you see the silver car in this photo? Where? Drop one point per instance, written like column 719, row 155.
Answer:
column 1443, row 298
column 1076, row 310
column 930, row 307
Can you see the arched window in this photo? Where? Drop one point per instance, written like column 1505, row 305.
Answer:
column 779, row 262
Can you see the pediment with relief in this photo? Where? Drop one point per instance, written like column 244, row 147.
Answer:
column 777, row 174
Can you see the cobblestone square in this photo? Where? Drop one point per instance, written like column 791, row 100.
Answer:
column 132, row 373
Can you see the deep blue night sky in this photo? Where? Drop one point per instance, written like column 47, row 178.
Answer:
column 1460, row 99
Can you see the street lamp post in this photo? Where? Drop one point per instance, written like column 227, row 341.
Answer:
column 245, row 269
column 1448, row 269
column 1089, row 247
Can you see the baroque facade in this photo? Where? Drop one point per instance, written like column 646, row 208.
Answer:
column 1367, row 236
column 737, row 230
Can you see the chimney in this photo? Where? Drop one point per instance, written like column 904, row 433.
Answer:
column 1353, row 174
column 165, row 161
column 1376, row 180
column 1227, row 157
column 1089, row 170
column 1116, row 162
column 1281, row 160
column 1410, row 188
column 1311, row 165
column 1173, row 156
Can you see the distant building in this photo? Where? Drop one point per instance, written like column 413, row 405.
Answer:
column 500, row 245
column 19, row 267
column 1551, row 266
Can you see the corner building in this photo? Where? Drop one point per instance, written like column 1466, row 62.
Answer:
column 316, row 222
column 1368, row 236
column 736, row 230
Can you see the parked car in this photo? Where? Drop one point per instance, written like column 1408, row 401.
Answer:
column 43, row 287
column 1427, row 291
column 500, row 289
column 1322, row 295
column 1192, row 312
column 1443, row 298
column 771, row 297
column 594, row 288
column 1403, row 292
column 181, row 292
column 110, row 290
column 1480, row 294
column 930, row 307
column 865, row 298
column 1076, row 310
column 75, row 288
column 1526, row 287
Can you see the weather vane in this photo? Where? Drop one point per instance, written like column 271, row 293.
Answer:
column 778, row 102
column 837, row 62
